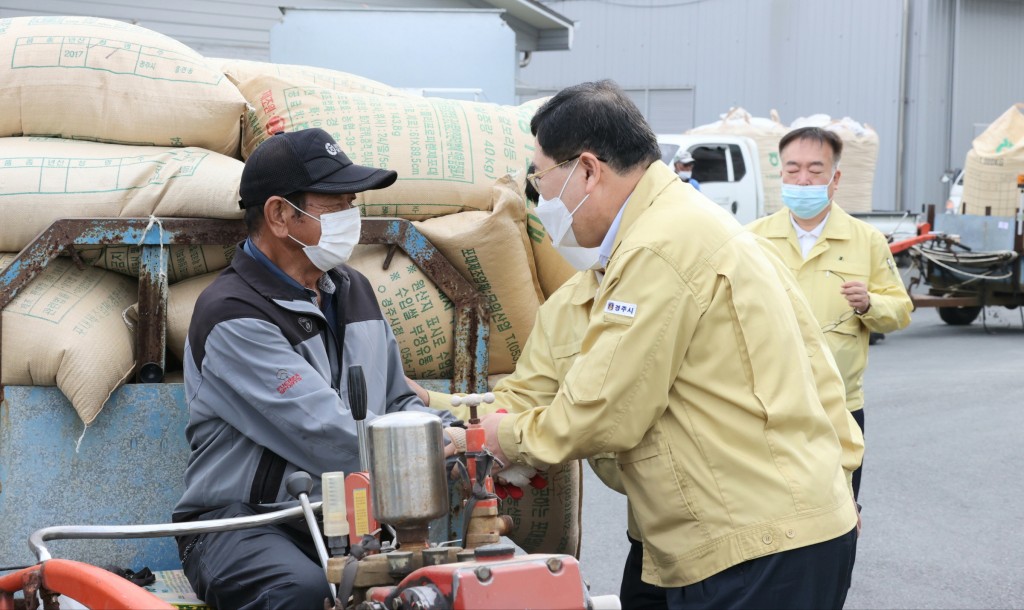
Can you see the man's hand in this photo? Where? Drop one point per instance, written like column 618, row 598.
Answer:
column 418, row 389
column 457, row 438
column 857, row 296
column 490, row 426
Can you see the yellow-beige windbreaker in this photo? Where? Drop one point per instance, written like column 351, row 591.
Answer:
column 552, row 347
column 848, row 250
column 697, row 370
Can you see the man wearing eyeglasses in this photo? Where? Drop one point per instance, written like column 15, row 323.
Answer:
column 842, row 264
column 700, row 367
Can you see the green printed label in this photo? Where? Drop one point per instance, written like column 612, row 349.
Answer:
column 113, row 55
column 79, row 175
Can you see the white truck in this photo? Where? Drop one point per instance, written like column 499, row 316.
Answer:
column 727, row 168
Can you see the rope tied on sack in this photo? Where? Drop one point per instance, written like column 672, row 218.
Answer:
column 153, row 220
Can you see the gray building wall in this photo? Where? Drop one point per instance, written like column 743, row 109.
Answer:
column 214, row 28
column 801, row 57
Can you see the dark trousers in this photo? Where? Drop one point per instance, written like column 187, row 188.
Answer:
column 269, row 567
column 815, row 577
column 634, row 593
column 858, row 415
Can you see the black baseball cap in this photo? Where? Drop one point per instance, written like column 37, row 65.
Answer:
column 308, row 160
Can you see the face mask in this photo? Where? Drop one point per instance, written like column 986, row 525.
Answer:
column 581, row 258
column 556, row 218
column 806, row 201
column 339, row 234
column 684, row 176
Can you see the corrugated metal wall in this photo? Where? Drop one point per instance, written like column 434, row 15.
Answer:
column 928, row 121
column 840, row 57
column 988, row 72
column 800, row 57
column 214, row 28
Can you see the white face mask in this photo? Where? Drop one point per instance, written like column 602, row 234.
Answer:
column 556, row 218
column 684, row 175
column 581, row 258
column 339, row 234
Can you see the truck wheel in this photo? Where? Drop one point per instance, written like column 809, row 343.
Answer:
column 959, row 316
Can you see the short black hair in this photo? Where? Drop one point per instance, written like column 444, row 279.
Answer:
column 530, row 192
column 254, row 213
column 815, row 134
column 596, row 117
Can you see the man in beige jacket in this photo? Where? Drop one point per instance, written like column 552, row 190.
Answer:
column 697, row 369
column 843, row 265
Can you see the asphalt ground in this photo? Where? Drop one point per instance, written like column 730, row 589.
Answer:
column 942, row 488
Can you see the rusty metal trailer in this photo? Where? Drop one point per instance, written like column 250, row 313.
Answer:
column 967, row 262
column 127, row 467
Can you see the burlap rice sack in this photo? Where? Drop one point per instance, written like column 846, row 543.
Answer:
column 65, row 329
column 548, row 520
column 183, row 261
column 995, row 160
column 97, row 79
column 181, row 303
column 447, row 153
column 552, row 268
column 239, row 70
column 419, row 313
column 492, row 251
column 43, row 179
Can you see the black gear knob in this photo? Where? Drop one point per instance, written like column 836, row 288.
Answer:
column 298, row 482
column 357, row 392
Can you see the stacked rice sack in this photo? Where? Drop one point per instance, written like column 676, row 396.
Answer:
column 103, row 119
column 860, row 156
column 114, row 120
column 995, row 160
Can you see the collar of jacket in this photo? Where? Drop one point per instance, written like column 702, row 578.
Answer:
column 263, row 281
column 838, row 226
column 656, row 179
column 586, row 287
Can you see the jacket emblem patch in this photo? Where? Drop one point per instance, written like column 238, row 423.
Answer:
column 289, row 381
column 306, row 324
column 623, row 309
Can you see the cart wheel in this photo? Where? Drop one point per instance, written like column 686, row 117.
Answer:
column 959, row 316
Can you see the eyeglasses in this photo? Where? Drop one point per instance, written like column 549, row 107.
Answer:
column 535, row 177
column 828, row 328
column 830, row 272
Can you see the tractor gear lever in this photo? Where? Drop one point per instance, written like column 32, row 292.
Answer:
column 299, row 484
column 357, row 403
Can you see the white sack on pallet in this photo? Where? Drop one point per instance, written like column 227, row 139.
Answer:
column 995, row 160
column 65, row 329
column 97, row 79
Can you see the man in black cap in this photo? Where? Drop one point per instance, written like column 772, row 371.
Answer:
column 267, row 354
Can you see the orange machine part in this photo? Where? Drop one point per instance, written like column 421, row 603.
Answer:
column 359, row 505
column 526, row 581
column 91, row 586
